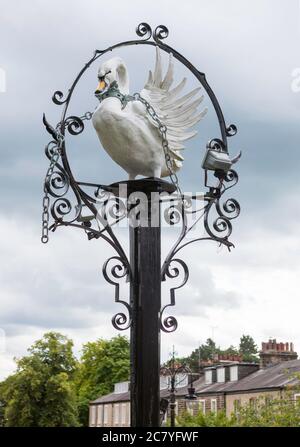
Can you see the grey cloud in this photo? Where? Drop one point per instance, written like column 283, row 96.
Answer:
column 201, row 293
column 248, row 51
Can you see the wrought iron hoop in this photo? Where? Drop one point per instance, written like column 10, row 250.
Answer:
column 75, row 125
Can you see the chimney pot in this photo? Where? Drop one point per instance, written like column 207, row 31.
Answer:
column 273, row 352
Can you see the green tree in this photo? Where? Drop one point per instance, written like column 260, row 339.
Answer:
column 267, row 411
column 103, row 363
column 41, row 392
column 208, row 350
column 210, row 419
column 5, row 386
column 231, row 351
column 264, row 411
column 248, row 349
column 283, row 412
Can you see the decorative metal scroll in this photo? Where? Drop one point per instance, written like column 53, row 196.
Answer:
column 96, row 210
column 113, row 275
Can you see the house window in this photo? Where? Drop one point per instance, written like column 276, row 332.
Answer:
column 297, row 398
column 189, row 408
column 105, row 414
column 253, row 402
column 237, row 406
column 123, row 414
column 116, row 414
column 121, row 387
column 221, row 375
column 93, row 410
column 208, row 376
column 202, row 405
column 233, row 373
column 213, row 405
column 100, row 416
column 192, row 407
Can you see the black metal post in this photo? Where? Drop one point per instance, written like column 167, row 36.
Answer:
column 145, row 302
column 145, row 330
column 172, row 401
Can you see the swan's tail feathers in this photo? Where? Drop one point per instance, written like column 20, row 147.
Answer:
column 179, row 112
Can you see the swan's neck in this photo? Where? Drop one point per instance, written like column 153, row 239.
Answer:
column 123, row 79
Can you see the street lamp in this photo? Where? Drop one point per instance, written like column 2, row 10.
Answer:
column 176, row 373
column 97, row 209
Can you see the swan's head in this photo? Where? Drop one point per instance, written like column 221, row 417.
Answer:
column 112, row 70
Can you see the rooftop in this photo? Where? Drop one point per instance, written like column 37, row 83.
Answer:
column 277, row 376
column 125, row 397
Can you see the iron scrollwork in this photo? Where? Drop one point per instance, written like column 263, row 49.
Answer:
column 170, row 270
column 105, row 210
column 113, row 275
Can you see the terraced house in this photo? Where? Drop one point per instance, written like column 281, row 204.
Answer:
column 225, row 386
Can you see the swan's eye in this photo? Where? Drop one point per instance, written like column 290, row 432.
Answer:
column 101, row 78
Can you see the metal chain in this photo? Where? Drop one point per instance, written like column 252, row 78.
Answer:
column 87, row 116
column 56, row 152
column 46, row 199
column 165, row 144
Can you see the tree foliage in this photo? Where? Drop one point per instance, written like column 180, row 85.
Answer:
column 50, row 388
column 210, row 419
column 263, row 411
column 204, row 352
column 41, row 392
column 103, row 363
column 209, row 351
column 248, row 349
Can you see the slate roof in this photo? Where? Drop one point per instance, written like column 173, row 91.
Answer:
column 277, row 376
column 125, row 397
column 112, row 397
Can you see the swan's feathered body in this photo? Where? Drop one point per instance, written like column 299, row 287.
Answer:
column 130, row 136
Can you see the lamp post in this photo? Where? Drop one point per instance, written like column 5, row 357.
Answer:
column 97, row 209
column 176, row 374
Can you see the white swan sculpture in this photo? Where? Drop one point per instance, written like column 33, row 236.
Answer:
column 129, row 134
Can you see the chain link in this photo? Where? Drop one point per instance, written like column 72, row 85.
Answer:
column 56, row 152
column 87, row 116
column 165, row 144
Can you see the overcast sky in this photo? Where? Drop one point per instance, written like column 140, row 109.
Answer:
column 250, row 53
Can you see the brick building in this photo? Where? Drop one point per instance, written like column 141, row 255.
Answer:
column 273, row 352
column 224, row 386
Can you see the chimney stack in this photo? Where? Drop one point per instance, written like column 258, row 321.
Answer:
column 273, row 352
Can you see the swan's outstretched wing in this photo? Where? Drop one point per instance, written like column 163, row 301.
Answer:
column 179, row 113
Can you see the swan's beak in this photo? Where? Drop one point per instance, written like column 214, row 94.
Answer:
column 101, row 86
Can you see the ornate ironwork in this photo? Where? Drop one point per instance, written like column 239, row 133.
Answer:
column 73, row 199
column 172, row 370
column 113, row 275
column 169, row 324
